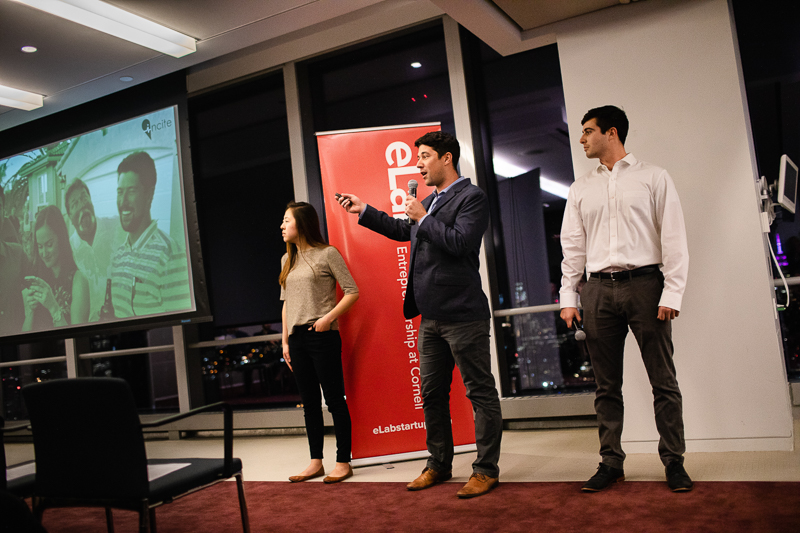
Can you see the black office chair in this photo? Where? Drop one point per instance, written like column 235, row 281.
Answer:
column 90, row 451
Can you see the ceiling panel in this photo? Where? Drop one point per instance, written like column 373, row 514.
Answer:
column 75, row 64
column 69, row 54
column 530, row 14
column 74, row 60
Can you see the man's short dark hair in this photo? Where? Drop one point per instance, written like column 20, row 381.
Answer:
column 76, row 185
column 607, row 117
column 143, row 166
column 441, row 142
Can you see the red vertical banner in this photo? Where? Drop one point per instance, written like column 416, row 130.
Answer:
column 379, row 346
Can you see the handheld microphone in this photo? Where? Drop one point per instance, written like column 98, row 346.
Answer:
column 580, row 335
column 412, row 191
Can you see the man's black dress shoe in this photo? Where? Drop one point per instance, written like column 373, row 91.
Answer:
column 677, row 478
column 605, row 476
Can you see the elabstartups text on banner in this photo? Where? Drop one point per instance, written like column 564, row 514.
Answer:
column 379, row 346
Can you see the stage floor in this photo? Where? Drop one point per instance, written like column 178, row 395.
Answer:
column 527, row 455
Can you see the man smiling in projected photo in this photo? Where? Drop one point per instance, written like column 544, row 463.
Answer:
column 148, row 271
column 91, row 242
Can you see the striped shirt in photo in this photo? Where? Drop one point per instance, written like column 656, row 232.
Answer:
column 150, row 277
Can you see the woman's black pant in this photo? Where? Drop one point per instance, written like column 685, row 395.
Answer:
column 317, row 361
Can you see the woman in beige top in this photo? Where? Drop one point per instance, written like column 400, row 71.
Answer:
column 312, row 346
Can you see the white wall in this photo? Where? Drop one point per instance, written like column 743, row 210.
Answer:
column 673, row 67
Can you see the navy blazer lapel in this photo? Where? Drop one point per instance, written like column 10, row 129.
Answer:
column 452, row 193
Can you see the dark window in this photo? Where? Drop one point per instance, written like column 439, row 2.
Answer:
column 14, row 377
column 374, row 85
column 524, row 162
column 243, row 181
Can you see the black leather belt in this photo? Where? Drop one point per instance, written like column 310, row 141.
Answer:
column 625, row 275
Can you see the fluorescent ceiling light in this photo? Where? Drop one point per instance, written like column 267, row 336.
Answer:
column 20, row 99
column 507, row 170
column 114, row 21
column 553, row 187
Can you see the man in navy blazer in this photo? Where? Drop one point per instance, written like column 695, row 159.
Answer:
column 445, row 288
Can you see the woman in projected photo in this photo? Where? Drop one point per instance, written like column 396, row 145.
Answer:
column 58, row 293
column 312, row 346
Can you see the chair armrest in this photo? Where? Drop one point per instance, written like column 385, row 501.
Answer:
column 3, row 465
column 11, row 429
column 227, row 425
column 181, row 416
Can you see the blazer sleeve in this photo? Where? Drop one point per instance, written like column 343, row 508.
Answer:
column 379, row 222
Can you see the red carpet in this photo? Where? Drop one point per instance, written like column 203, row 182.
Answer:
column 641, row 507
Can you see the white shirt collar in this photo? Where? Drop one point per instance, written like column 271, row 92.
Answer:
column 629, row 161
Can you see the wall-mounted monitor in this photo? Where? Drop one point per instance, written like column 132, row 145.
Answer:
column 787, row 184
column 94, row 230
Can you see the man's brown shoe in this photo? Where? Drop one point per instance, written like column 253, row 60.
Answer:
column 429, row 478
column 478, row 485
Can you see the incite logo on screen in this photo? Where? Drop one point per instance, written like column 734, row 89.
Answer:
column 150, row 128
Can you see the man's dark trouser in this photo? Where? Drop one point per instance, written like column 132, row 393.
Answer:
column 466, row 344
column 609, row 307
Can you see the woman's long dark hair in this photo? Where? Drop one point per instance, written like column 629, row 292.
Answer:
column 51, row 216
column 307, row 223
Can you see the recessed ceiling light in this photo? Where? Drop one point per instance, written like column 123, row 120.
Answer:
column 416, row 64
column 29, row 49
column 126, row 78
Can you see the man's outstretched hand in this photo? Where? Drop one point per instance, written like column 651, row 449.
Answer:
column 351, row 203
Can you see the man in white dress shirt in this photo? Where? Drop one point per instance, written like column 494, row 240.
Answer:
column 623, row 225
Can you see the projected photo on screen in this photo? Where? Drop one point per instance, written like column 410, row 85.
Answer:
column 93, row 229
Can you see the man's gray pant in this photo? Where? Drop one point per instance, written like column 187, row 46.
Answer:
column 465, row 344
column 609, row 308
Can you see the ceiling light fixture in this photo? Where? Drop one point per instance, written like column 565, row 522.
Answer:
column 554, row 187
column 505, row 169
column 20, row 99
column 416, row 64
column 29, row 49
column 119, row 23
column 508, row 170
